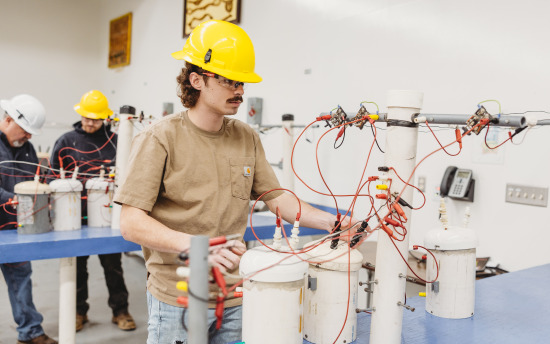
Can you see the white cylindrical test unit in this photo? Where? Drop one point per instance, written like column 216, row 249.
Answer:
column 272, row 298
column 66, row 204
column 453, row 294
column 329, row 287
column 33, row 209
column 100, row 197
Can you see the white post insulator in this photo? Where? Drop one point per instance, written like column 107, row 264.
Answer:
column 466, row 217
column 288, row 142
column 61, row 173
column 401, row 142
column 443, row 214
column 294, row 238
column 67, row 299
column 277, row 238
column 123, row 146
column 75, row 173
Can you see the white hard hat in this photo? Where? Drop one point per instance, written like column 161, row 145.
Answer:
column 27, row 111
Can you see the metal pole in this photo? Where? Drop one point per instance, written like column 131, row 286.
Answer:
column 503, row 121
column 198, row 290
column 389, row 287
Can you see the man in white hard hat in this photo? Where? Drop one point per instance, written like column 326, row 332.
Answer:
column 194, row 173
column 23, row 116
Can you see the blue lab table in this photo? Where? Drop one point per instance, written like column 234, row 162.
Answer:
column 509, row 308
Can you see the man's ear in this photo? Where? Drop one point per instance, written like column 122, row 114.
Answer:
column 195, row 81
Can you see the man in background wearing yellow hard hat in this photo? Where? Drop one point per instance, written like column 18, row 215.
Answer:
column 202, row 169
column 23, row 116
column 90, row 146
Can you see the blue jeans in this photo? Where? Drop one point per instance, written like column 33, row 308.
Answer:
column 27, row 318
column 165, row 324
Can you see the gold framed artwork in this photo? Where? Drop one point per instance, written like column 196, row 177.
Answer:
column 120, row 38
column 198, row 11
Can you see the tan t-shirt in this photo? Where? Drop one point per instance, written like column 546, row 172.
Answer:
column 196, row 182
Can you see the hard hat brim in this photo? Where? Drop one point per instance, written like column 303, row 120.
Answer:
column 250, row 78
column 92, row 115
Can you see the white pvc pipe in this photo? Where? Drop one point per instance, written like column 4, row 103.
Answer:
column 67, row 300
column 124, row 143
column 288, row 142
column 401, row 143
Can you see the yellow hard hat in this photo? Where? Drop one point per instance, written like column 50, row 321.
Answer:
column 223, row 48
column 93, row 105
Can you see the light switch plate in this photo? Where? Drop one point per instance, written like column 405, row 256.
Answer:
column 528, row 195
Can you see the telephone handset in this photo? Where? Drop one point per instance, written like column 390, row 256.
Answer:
column 456, row 182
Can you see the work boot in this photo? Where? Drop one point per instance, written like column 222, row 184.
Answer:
column 80, row 321
column 42, row 339
column 124, row 322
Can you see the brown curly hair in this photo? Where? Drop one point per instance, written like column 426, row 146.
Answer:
column 187, row 93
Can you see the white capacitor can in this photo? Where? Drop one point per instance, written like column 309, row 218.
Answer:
column 33, row 211
column 100, row 197
column 66, row 204
column 272, row 298
column 331, row 293
column 453, row 294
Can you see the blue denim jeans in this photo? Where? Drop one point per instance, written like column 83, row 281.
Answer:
column 27, row 318
column 165, row 324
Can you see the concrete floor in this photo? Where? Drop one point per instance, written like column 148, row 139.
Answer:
column 99, row 329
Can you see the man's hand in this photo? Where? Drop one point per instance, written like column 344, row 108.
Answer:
column 226, row 256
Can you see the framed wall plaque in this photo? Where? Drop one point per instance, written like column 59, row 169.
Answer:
column 198, row 11
column 120, row 38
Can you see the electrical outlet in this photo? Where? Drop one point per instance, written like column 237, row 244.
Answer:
column 528, row 195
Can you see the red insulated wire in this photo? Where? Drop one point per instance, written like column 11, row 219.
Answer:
column 503, row 142
column 460, row 145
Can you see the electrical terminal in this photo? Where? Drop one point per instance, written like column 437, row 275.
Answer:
column 420, row 119
column 183, row 271
column 358, row 310
column 382, row 187
column 479, row 120
column 384, row 177
column 277, row 237
column 381, row 196
column 339, row 117
column 294, row 238
column 183, row 300
column 182, row 285
column 362, row 117
column 407, row 307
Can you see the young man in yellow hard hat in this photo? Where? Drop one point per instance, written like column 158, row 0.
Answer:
column 23, row 116
column 89, row 146
column 202, row 170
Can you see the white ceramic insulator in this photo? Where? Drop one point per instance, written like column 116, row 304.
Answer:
column 420, row 119
column 294, row 236
column 443, row 213
column 277, row 238
column 183, row 271
column 67, row 300
column 466, row 217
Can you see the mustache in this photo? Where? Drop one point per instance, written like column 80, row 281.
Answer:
column 236, row 99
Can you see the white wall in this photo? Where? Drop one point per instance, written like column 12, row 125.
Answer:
column 49, row 49
column 457, row 53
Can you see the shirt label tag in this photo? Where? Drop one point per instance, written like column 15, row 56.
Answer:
column 247, row 171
